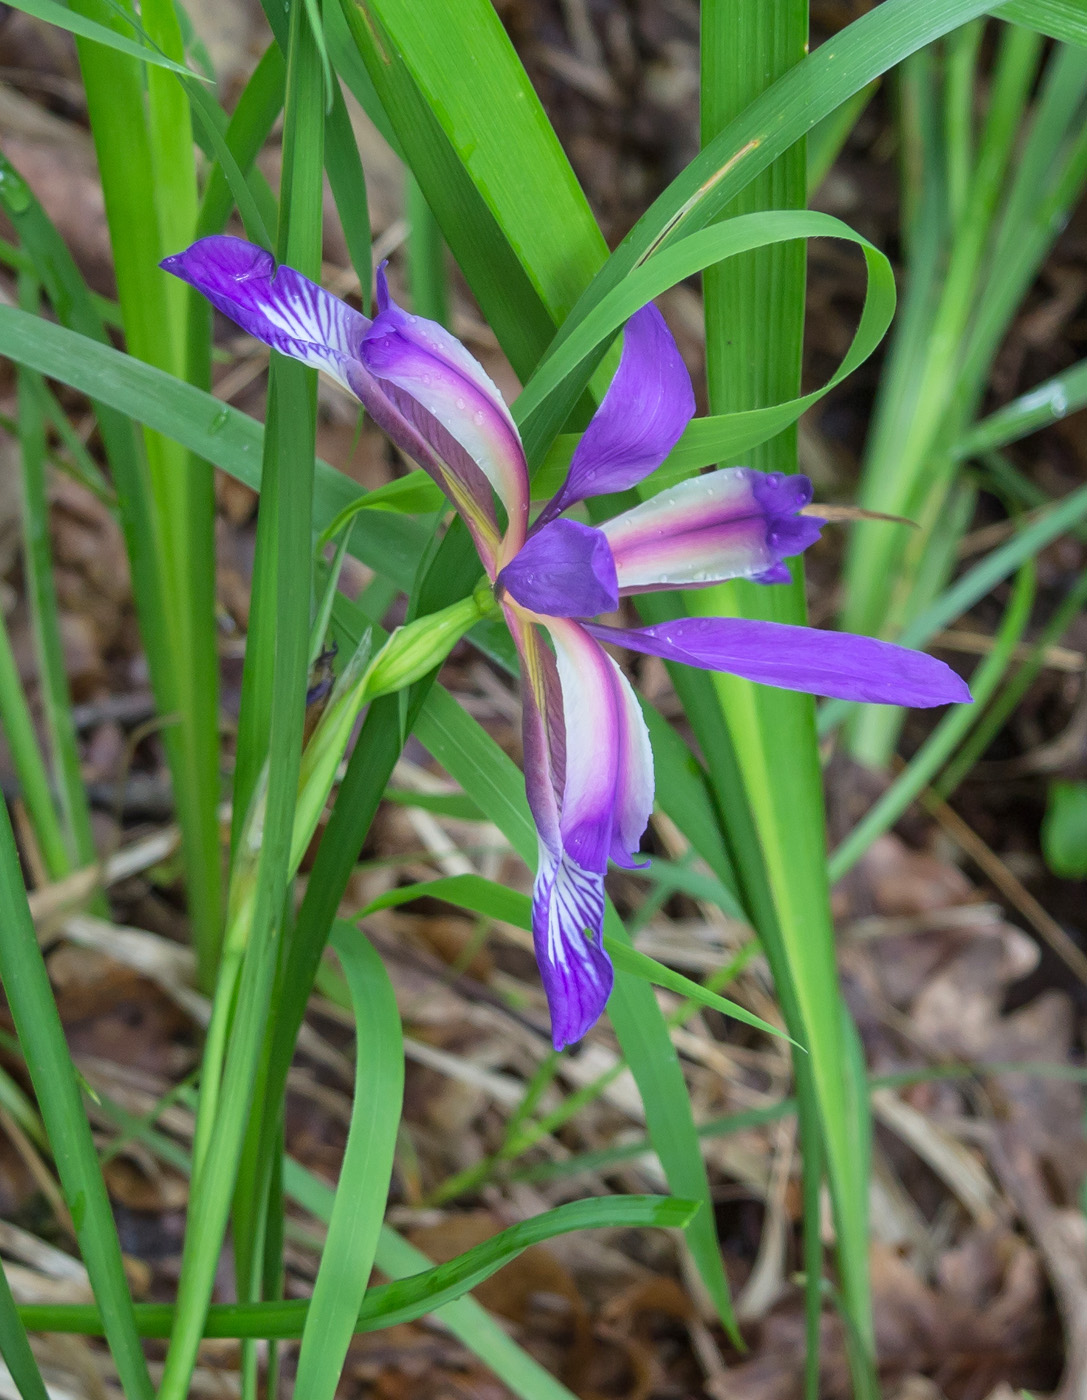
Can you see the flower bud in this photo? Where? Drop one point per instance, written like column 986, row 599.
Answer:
column 414, row 650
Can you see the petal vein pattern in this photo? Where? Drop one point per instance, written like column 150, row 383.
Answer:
column 276, row 305
column 449, row 386
column 606, row 798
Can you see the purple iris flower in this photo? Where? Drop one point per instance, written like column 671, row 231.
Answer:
column 588, row 762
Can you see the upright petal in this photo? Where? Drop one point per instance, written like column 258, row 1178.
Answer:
column 732, row 523
column 564, row 570
column 276, row 304
column 838, row 664
column 453, row 393
column 648, row 404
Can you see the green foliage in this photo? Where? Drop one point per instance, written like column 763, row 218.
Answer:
column 1064, row 830
column 490, row 188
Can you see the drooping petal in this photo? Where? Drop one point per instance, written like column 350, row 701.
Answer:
column 634, row 782
column 542, row 726
column 837, row 664
column 451, row 392
column 275, row 304
column 423, row 438
column 607, row 795
column 732, row 523
column 648, row 404
column 567, row 929
column 567, row 900
column 565, row 570
column 594, row 738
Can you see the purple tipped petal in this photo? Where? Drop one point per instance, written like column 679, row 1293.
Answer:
column 589, row 776
column 733, row 523
column 799, row 658
column 648, row 404
column 453, row 397
column 567, row 924
column 276, row 304
column 565, row 570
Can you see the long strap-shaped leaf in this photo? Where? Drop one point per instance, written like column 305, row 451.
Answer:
column 41, row 1037
column 404, row 1300
column 355, row 1223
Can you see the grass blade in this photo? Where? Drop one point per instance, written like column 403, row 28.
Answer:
column 754, row 333
column 429, row 1289
column 355, row 1222
column 41, row 1037
column 15, row 1347
column 52, row 12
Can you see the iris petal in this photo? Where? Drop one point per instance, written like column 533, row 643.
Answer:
column 275, row 304
column 733, row 523
column 452, row 392
column 565, row 570
column 567, row 925
column 298, row 318
column 648, row 404
column 607, row 796
column 836, row 664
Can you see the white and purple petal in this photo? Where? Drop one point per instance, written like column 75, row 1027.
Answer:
column 648, row 404
column 634, row 780
column 567, row 900
column 732, row 523
column 607, row 796
column 298, row 318
column 567, row 929
column 564, row 570
column 836, row 664
column 415, row 431
column 542, row 726
column 453, row 398
column 275, row 304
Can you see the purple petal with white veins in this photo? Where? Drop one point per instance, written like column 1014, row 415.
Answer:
column 564, row 570
column 453, row 392
column 732, row 523
column 648, row 404
column 567, row 930
column 837, row 664
column 589, row 776
column 567, row 900
column 275, row 304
